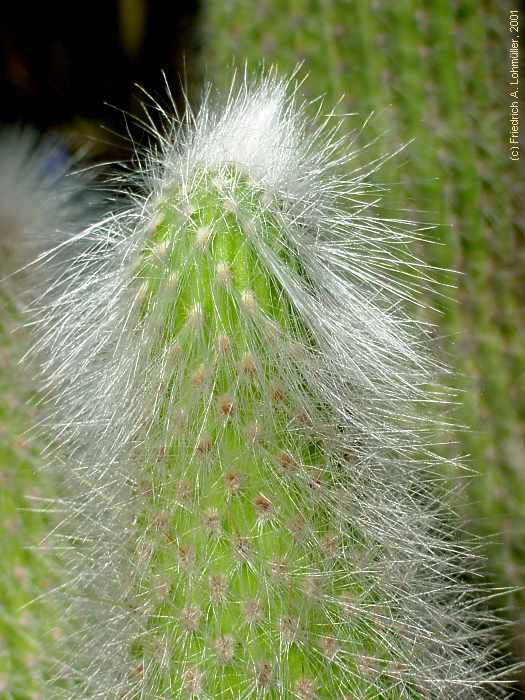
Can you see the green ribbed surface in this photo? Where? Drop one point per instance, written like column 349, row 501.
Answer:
column 438, row 74
column 249, row 558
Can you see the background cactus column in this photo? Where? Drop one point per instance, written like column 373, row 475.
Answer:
column 434, row 74
column 40, row 205
column 26, row 574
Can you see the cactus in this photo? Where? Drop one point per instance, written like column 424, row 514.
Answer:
column 39, row 207
column 26, row 573
column 239, row 402
column 434, row 74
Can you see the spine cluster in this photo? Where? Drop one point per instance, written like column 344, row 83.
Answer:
column 239, row 403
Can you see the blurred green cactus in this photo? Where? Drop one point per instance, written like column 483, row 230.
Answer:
column 26, row 619
column 437, row 75
column 39, row 206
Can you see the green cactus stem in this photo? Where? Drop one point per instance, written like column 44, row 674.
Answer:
column 249, row 468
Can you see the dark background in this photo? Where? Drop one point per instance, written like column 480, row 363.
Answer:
column 63, row 65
